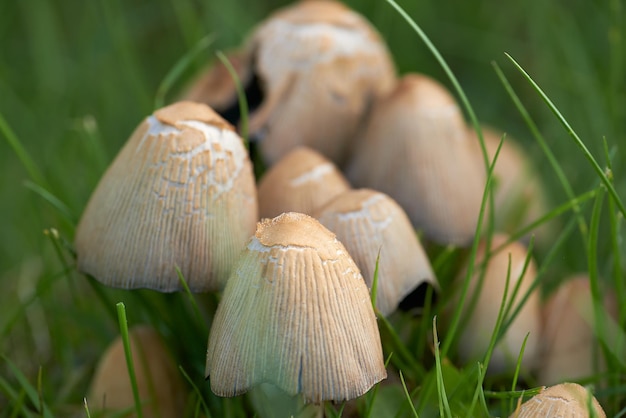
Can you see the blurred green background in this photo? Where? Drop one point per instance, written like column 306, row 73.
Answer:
column 76, row 77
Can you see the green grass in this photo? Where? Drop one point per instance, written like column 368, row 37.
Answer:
column 77, row 77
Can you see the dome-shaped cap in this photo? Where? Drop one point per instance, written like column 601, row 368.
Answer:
column 181, row 192
column 159, row 383
column 295, row 313
column 416, row 148
column 317, row 65
column 565, row 400
column 476, row 335
column 302, row 181
column 366, row 222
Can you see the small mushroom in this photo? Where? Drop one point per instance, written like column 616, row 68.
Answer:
column 367, row 222
column 563, row 400
column 569, row 345
column 302, row 181
column 481, row 321
column 161, row 389
column 316, row 65
column 180, row 193
column 295, row 313
column 416, row 148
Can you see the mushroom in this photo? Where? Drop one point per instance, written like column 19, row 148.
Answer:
column 481, row 321
column 563, row 400
column 368, row 222
column 161, row 389
column 569, row 344
column 180, row 193
column 302, row 181
column 295, row 313
column 316, row 65
column 519, row 195
column 416, row 149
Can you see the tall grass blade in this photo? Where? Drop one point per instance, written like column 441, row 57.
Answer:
column 565, row 184
column 241, row 97
column 575, row 136
column 179, row 68
column 444, row 407
column 374, row 291
column 29, row 164
column 192, row 299
column 207, row 413
column 121, row 315
column 408, row 396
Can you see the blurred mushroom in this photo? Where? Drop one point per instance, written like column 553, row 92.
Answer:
column 302, row 181
column 569, row 345
column 295, row 313
column 519, row 195
column 416, row 149
column 317, row 65
column 367, row 222
column 161, row 389
column 476, row 335
column 180, row 193
column 564, row 400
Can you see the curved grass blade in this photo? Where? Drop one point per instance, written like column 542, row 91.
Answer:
column 177, row 70
column 241, row 97
column 408, row 396
column 574, row 135
column 444, row 407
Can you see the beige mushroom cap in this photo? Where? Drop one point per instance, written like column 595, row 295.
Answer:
column 302, row 181
column 318, row 65
column 476, row 335
column 181, row 192
column 366, row 222
column 416, row 148
column 161, row 389
column 295, row 313
column 569, row 344
column 564, row 400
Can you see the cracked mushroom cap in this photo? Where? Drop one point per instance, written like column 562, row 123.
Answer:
column 476, row 335
column 416, row 148
column 295, row 313
column 181, row 192
column 366, row 222
column 161, row 389
column 564, row 400
column 302, row 181
column 318, row 50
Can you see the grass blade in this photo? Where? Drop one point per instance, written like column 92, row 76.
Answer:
column 575, row 136
column 32, row 393
column 241, row 97
column 121, row 315
column 374, row 291
column 177, row 70
column 444, row 407
column 408, row 396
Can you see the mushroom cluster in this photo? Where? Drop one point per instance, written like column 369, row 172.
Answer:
column 297, row 254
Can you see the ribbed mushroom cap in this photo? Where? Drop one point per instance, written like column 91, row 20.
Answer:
column 366, row 222
column 302, row 181
column 565, row 400
column 569, row 345
column 180, row 193
column 416, row 149
column 161, row 389
column 295, row 313
column 318, row 64
column 476, row 335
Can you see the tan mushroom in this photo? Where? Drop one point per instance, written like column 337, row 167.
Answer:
column 476, row 335
column 295, row 313
column 317, row 65
column 416, row 149
column 569, row 344
column 367, row 222
column 180, row 193
column 564, row 400
column 302, row 181
column 160, row 386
